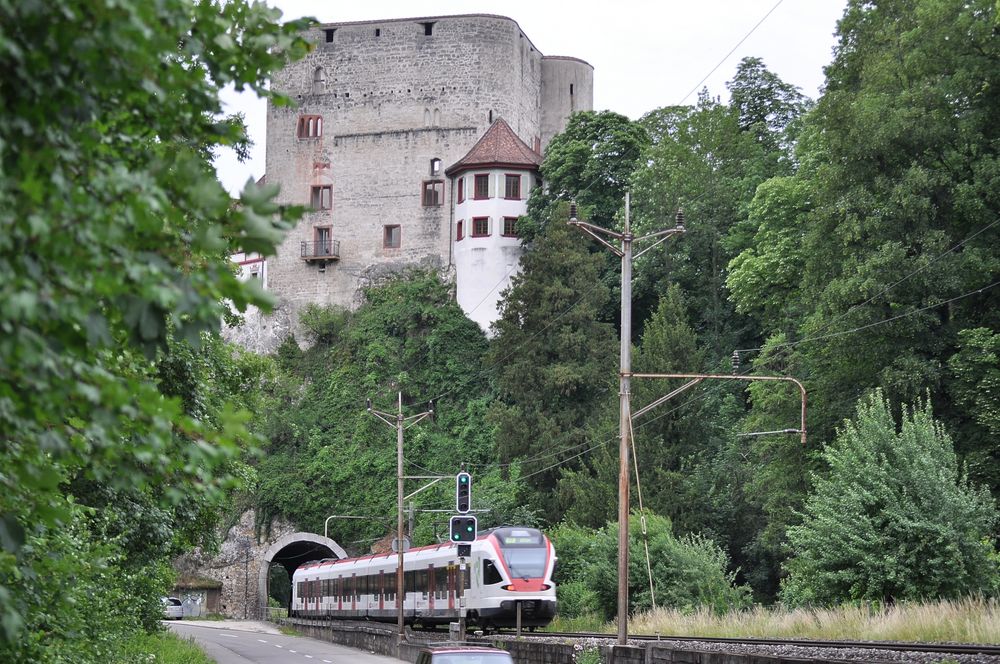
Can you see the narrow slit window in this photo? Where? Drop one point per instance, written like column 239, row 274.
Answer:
column 322, row 197
column 391, row 238
column 435, row 166
column 433, row 194
column 459, row 230
column 461, row 189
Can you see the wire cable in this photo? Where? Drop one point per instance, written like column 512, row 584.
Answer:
column 832, row 335
column 731, row 51
column 888, row 288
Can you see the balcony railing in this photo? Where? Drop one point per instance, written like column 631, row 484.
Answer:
column 321, row 250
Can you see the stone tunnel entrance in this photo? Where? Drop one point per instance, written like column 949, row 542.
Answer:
column 286, row 555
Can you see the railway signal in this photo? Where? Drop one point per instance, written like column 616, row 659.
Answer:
column 463, row 528
column 463, row 492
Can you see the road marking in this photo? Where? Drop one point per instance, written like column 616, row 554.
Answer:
column 232, row 636
column 277, row 646
column 293, row 651
column 309, row 656
column 327, row 661
column 262, row 640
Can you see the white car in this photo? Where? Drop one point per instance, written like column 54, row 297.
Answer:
column 172, row 608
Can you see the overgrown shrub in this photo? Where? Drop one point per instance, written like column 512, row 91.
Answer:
column 688, row 573
column 894, row 519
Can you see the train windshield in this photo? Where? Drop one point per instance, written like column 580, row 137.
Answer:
column 524, row 551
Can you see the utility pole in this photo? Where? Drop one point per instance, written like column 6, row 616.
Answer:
column 399, row 423
column 624, row 380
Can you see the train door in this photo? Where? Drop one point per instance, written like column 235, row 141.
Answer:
column 452, row 580
column 430, row 589
column 354, row 592
column 340, row 593
column 381, row 590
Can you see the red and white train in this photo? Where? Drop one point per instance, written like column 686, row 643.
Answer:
column 508, row 566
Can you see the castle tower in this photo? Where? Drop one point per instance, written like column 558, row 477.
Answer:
column 381, row 108
column 492, row 183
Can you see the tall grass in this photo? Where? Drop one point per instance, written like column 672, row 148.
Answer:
column 161, row 648
column 965, row 621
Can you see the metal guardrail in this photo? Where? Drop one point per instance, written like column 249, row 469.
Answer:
column 320, row 250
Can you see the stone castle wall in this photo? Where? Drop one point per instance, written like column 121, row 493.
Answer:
column 393, row 98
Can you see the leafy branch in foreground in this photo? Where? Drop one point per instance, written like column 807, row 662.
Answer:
column 115, row 235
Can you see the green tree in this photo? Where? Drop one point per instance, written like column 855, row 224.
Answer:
column 680, row 435
column 115, row 232
column 974, row 383
column 700, row 160
column 551, row 359
column 590, row 161
column 767, row 107
column 905, row 172
column 327, row 455
column 893, row 519
column 764, row 279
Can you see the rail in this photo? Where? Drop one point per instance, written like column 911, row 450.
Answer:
column 327, row 249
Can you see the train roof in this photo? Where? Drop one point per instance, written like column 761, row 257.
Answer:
column 329, row 562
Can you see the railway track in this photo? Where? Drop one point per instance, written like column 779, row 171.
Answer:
column 850, row 649
column 897, row 646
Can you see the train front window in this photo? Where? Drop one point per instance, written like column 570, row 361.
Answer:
column 525, row 563
column 524, row 552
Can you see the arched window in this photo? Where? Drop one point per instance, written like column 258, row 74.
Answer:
column 427, row 117
column 437, row 117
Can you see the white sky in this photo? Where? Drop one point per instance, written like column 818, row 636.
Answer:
column 646, row 53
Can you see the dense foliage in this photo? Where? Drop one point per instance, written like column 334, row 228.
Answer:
column 892, row 519
column 687, row 572
column 115, row 241
column 328, row 455
column 853, row 243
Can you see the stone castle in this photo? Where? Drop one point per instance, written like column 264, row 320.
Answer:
column 414, row 142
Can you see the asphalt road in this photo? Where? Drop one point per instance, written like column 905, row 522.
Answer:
column 231, row 646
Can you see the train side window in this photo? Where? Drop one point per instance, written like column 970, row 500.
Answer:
column 491, row 574
column 440, row 582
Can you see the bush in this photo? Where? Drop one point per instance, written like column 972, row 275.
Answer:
column 893, row 519
column 575, row 599
column 688, row 572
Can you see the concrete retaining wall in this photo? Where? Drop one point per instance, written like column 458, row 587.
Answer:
column 381, row 638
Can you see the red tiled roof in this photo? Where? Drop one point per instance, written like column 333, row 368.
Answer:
column 499, row 147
